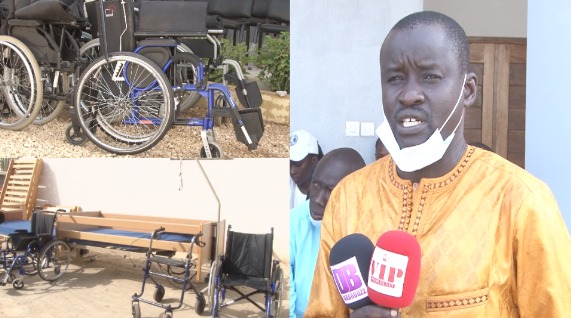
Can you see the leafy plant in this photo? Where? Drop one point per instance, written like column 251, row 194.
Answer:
column 238, row 53
column 273, row 61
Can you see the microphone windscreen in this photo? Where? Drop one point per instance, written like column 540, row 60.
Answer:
column 395, row 270
column 349, row 260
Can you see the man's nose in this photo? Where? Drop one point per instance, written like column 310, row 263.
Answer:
column 411, row 94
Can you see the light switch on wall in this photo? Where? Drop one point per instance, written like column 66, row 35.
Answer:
column 367, row 129
column 352, row 128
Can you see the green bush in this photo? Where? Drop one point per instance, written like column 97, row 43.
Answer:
column 238, row 53
column 273, row 61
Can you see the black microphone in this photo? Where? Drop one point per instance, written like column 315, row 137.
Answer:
column 349, row 261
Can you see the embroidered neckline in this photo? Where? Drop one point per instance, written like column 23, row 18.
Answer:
column 407, row 190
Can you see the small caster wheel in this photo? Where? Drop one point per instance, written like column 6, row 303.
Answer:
column 136, row 309
column 18, row 283
column 200, row 304
column 215, row 151
column 77, row 137
column 166, row 314
column 159, row 293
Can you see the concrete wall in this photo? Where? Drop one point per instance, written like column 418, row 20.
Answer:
column 488, row 18
column 548, row 68
column 252, row 192
column 335, row 66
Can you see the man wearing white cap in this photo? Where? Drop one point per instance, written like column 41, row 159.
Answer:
column 304, row 153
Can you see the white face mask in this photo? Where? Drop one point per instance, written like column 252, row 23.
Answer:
column 316, row 223
column 417, row 157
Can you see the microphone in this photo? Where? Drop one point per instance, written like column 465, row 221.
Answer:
column 349, row 261
column 394, row 270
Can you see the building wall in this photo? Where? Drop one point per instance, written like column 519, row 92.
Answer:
column 548, row 66
column 487, row 18
column 252, row 192
column 335, row 67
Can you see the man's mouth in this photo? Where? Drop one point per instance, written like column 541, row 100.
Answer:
column 410, row 122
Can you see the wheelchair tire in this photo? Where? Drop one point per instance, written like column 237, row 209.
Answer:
column 75, row 138
column 104, row 97
column 184, row 71
column 51, row 108
column 18, row 283
column 215, row 150
column 212, row 281
column 21, row 89
column 54, row 260
column 275, row 306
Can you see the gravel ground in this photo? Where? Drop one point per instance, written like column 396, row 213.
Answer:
column 180, row 142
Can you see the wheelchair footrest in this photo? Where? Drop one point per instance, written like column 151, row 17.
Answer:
column 254, row 124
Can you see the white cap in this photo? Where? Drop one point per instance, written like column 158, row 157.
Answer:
column 301, row 144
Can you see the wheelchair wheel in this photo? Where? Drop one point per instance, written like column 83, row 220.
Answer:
column 274, row 305
column 128, row 98
column 75, row 137
column 54, row 259
column 212, row 282
column 215, row 150
column 51, row 108
column 136, row 309
column 91, row 51
column 159, row 293
column 18, row 283
column 22, row 89
column 184, row 70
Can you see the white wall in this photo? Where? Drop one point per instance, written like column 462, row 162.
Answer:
column 487, row 18
column 253, row 193
column 548, row 68
column 335, row 66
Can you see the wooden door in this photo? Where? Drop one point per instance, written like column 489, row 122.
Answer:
column 497, row 118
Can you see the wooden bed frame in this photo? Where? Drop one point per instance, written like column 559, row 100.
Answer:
column 74, row 226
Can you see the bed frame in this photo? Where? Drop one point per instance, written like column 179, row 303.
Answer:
column 81, row 227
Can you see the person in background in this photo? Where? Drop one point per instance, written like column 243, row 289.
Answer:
column 492, row 238
column 380, row 149
column 305, row 221
column 304, row 153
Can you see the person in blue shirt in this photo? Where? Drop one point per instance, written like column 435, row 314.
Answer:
column 305, row 222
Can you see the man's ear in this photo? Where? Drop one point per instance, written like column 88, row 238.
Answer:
column 470, row 89
column 314, row 159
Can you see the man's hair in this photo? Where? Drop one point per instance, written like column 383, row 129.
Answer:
column 454, row 32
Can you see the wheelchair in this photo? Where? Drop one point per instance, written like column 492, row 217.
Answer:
column 247, row 262
column 183, row 278
column 34, row 252
column 128, row 98
column 49, row 34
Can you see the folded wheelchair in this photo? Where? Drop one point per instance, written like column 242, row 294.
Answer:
column 34, row 251
column 247, row 268
column 40, row 42
column 178, row 271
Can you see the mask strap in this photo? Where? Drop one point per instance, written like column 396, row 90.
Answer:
column 455, row 106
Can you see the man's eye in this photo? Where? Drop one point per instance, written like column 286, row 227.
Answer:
column 431, row 77
column 395, row 78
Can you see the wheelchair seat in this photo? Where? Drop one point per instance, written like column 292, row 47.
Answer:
column 247, row 262
column 41, row 231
